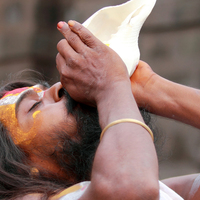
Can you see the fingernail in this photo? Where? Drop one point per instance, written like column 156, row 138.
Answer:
column 71, row 23
column 60, row 25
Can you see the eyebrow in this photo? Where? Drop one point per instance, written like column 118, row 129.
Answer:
column 23, row 96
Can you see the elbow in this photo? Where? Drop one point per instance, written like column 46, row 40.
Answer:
column 126, row 191
column 150, row 192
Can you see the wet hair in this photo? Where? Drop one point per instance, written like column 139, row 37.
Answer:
column 16, row 179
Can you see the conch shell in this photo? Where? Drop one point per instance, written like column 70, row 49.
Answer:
column 119, row 27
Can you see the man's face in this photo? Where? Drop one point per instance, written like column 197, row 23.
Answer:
column 56, row 132
column 26, row 112
column 31, row 114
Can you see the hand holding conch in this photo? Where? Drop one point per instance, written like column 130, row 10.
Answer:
column 119, row 27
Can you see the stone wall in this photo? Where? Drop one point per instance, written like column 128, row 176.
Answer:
column 169, row 42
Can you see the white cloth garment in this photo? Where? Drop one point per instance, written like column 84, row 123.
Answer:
column 168, row 194
column 165, row 192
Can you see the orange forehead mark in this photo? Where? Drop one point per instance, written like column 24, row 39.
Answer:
column 11, row 97
column 37, row 89
column 15, row 92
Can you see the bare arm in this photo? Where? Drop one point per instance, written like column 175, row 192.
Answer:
column 165, row 98
column 125, row 165
column 172, row 100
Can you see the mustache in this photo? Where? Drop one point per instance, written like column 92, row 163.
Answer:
column 71, row 104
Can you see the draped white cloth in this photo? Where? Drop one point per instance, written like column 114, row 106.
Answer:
column 168, row 194
column 165, row 192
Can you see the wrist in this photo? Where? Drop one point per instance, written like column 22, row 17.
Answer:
column 117, row 103
column 148, row 95
column 111, row 90
column 157, row 96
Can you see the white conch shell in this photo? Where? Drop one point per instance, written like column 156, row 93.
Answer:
column 119, row 27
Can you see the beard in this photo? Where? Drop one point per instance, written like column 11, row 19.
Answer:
column 75, row 156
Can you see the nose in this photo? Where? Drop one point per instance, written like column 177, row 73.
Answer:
column 53, row 92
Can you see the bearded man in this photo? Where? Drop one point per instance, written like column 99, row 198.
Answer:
column 50, row 135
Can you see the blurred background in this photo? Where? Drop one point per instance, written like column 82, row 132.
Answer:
column 169, row 41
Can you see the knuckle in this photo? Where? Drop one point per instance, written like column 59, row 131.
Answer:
column 85, row 54
column 87, row 38
column 70, row 61
column 73, row 61
column 63, row 72
column 78, row 27
column 65, row 30
column 72, row 38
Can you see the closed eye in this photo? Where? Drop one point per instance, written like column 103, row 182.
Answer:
column 35, row 105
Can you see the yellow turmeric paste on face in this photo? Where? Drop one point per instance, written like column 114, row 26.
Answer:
column 10, row 121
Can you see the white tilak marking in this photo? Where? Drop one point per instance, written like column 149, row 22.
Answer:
column 13, row 99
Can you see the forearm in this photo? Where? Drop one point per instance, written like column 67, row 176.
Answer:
column 125, row 164
column 117, row 103
column 172, row 100
column 126, row 155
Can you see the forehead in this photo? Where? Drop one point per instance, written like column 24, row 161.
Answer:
column 12, row 97
column 8, row 108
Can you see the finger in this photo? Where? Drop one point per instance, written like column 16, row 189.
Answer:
column 62, row 67
column 71, row 37
column 60, row 61
column 85, row 35
column 65, row 49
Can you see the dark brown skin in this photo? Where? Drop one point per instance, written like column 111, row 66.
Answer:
column 81, row 62
column 94, row 74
